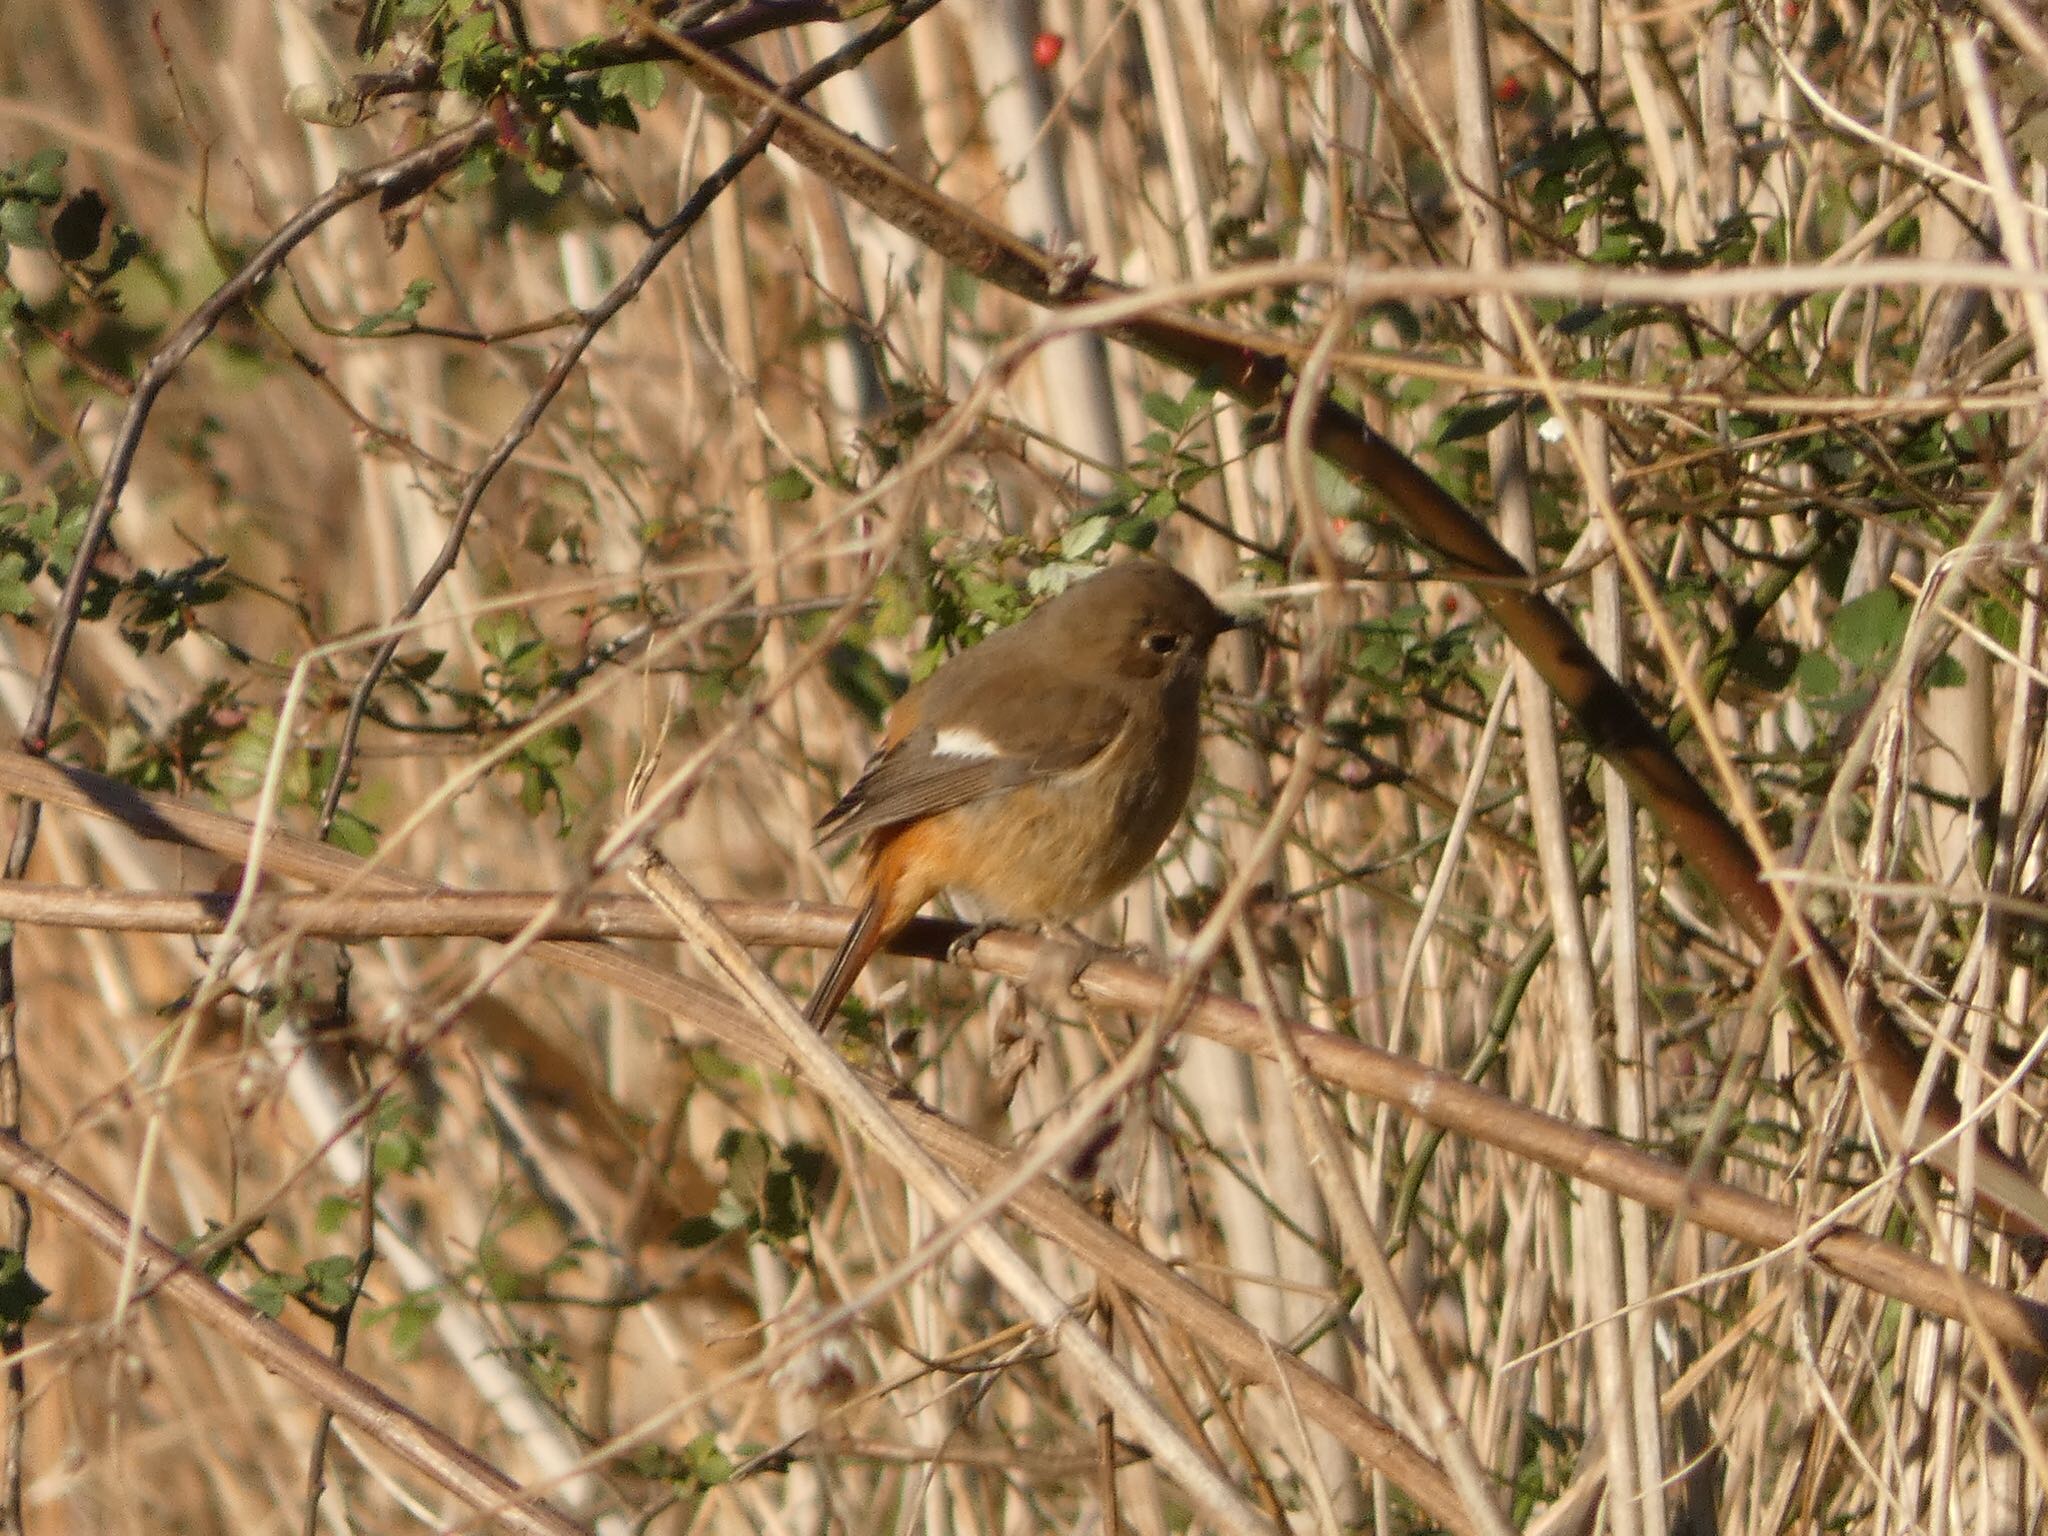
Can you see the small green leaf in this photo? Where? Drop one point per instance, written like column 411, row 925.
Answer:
column 1475, row 420
column 409, row 1322
column 352, row 834
column 1767, row 663
column 399, row 1152
column 401, row 314
column 1871, row 626
column 501, row 634
column 791, row 485
column 20, row 224
column 20, row 1295
column 709, row 1466
column 1340, row 496
column 1165, row 410
column 641, row 83
column 1818, row 676
column 1947, row 672
column 268, row 1294
column 1087, row 536
column 75, row 232
column 698, row 1232
column 17, row 599
column 332, row 1280
column 420, row 666
column 862, row 680
column 43, row 181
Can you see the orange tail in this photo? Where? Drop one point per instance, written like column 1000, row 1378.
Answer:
column 862, row 940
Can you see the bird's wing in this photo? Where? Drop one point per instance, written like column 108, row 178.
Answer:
column 986, row 748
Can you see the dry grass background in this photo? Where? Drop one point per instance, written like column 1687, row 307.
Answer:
column 1795, row 451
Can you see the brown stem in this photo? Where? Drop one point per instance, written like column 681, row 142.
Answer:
column 409, row 907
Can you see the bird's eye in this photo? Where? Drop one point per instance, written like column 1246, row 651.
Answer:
column 1162, row 643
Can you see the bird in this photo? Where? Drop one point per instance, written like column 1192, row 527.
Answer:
column 1037, row 773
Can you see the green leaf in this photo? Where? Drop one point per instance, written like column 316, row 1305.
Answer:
column 20, row 1295
column 546, row 179
column 409, row 1322
column 399, row 1151
column 332, row 1280
column 1999, row 620
column 709, row 1466
column 1339, row 494
column 43, row 180
column 791, row 485
column 1870, row 627
column 501, row 634
column 641, row 83
column 403, row 313
column 1466, row 421
column 1947, row 672
column 1165, row 410
column 352, row 834
column 1818, row 676
column 75, row 232
column 862, row 680
column 895, row 608
column 17, row 599
column 268, row 1293
column 1084, row 538
column 1767, row 663
column 697, row 1232
column 466, row 41
column 770, row 1190
column 21, row 224
column 420, row 666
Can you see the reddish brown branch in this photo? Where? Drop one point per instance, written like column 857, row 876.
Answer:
column 1437, row 1098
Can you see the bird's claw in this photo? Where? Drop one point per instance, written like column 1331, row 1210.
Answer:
column 962, row 948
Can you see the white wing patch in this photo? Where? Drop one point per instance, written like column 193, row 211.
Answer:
column 963, row 741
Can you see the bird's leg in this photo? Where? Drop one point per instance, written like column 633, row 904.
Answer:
column 962, row 948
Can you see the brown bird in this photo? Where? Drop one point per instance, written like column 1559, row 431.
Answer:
column 1038, row 773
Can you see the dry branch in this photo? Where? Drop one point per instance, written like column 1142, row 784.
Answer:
column 1435, row 1097
column 381, row 1419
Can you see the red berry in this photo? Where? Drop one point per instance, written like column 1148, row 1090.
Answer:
column 1511, row 92
column 1046, row 49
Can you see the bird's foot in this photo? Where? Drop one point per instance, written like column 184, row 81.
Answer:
column 962, row 948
